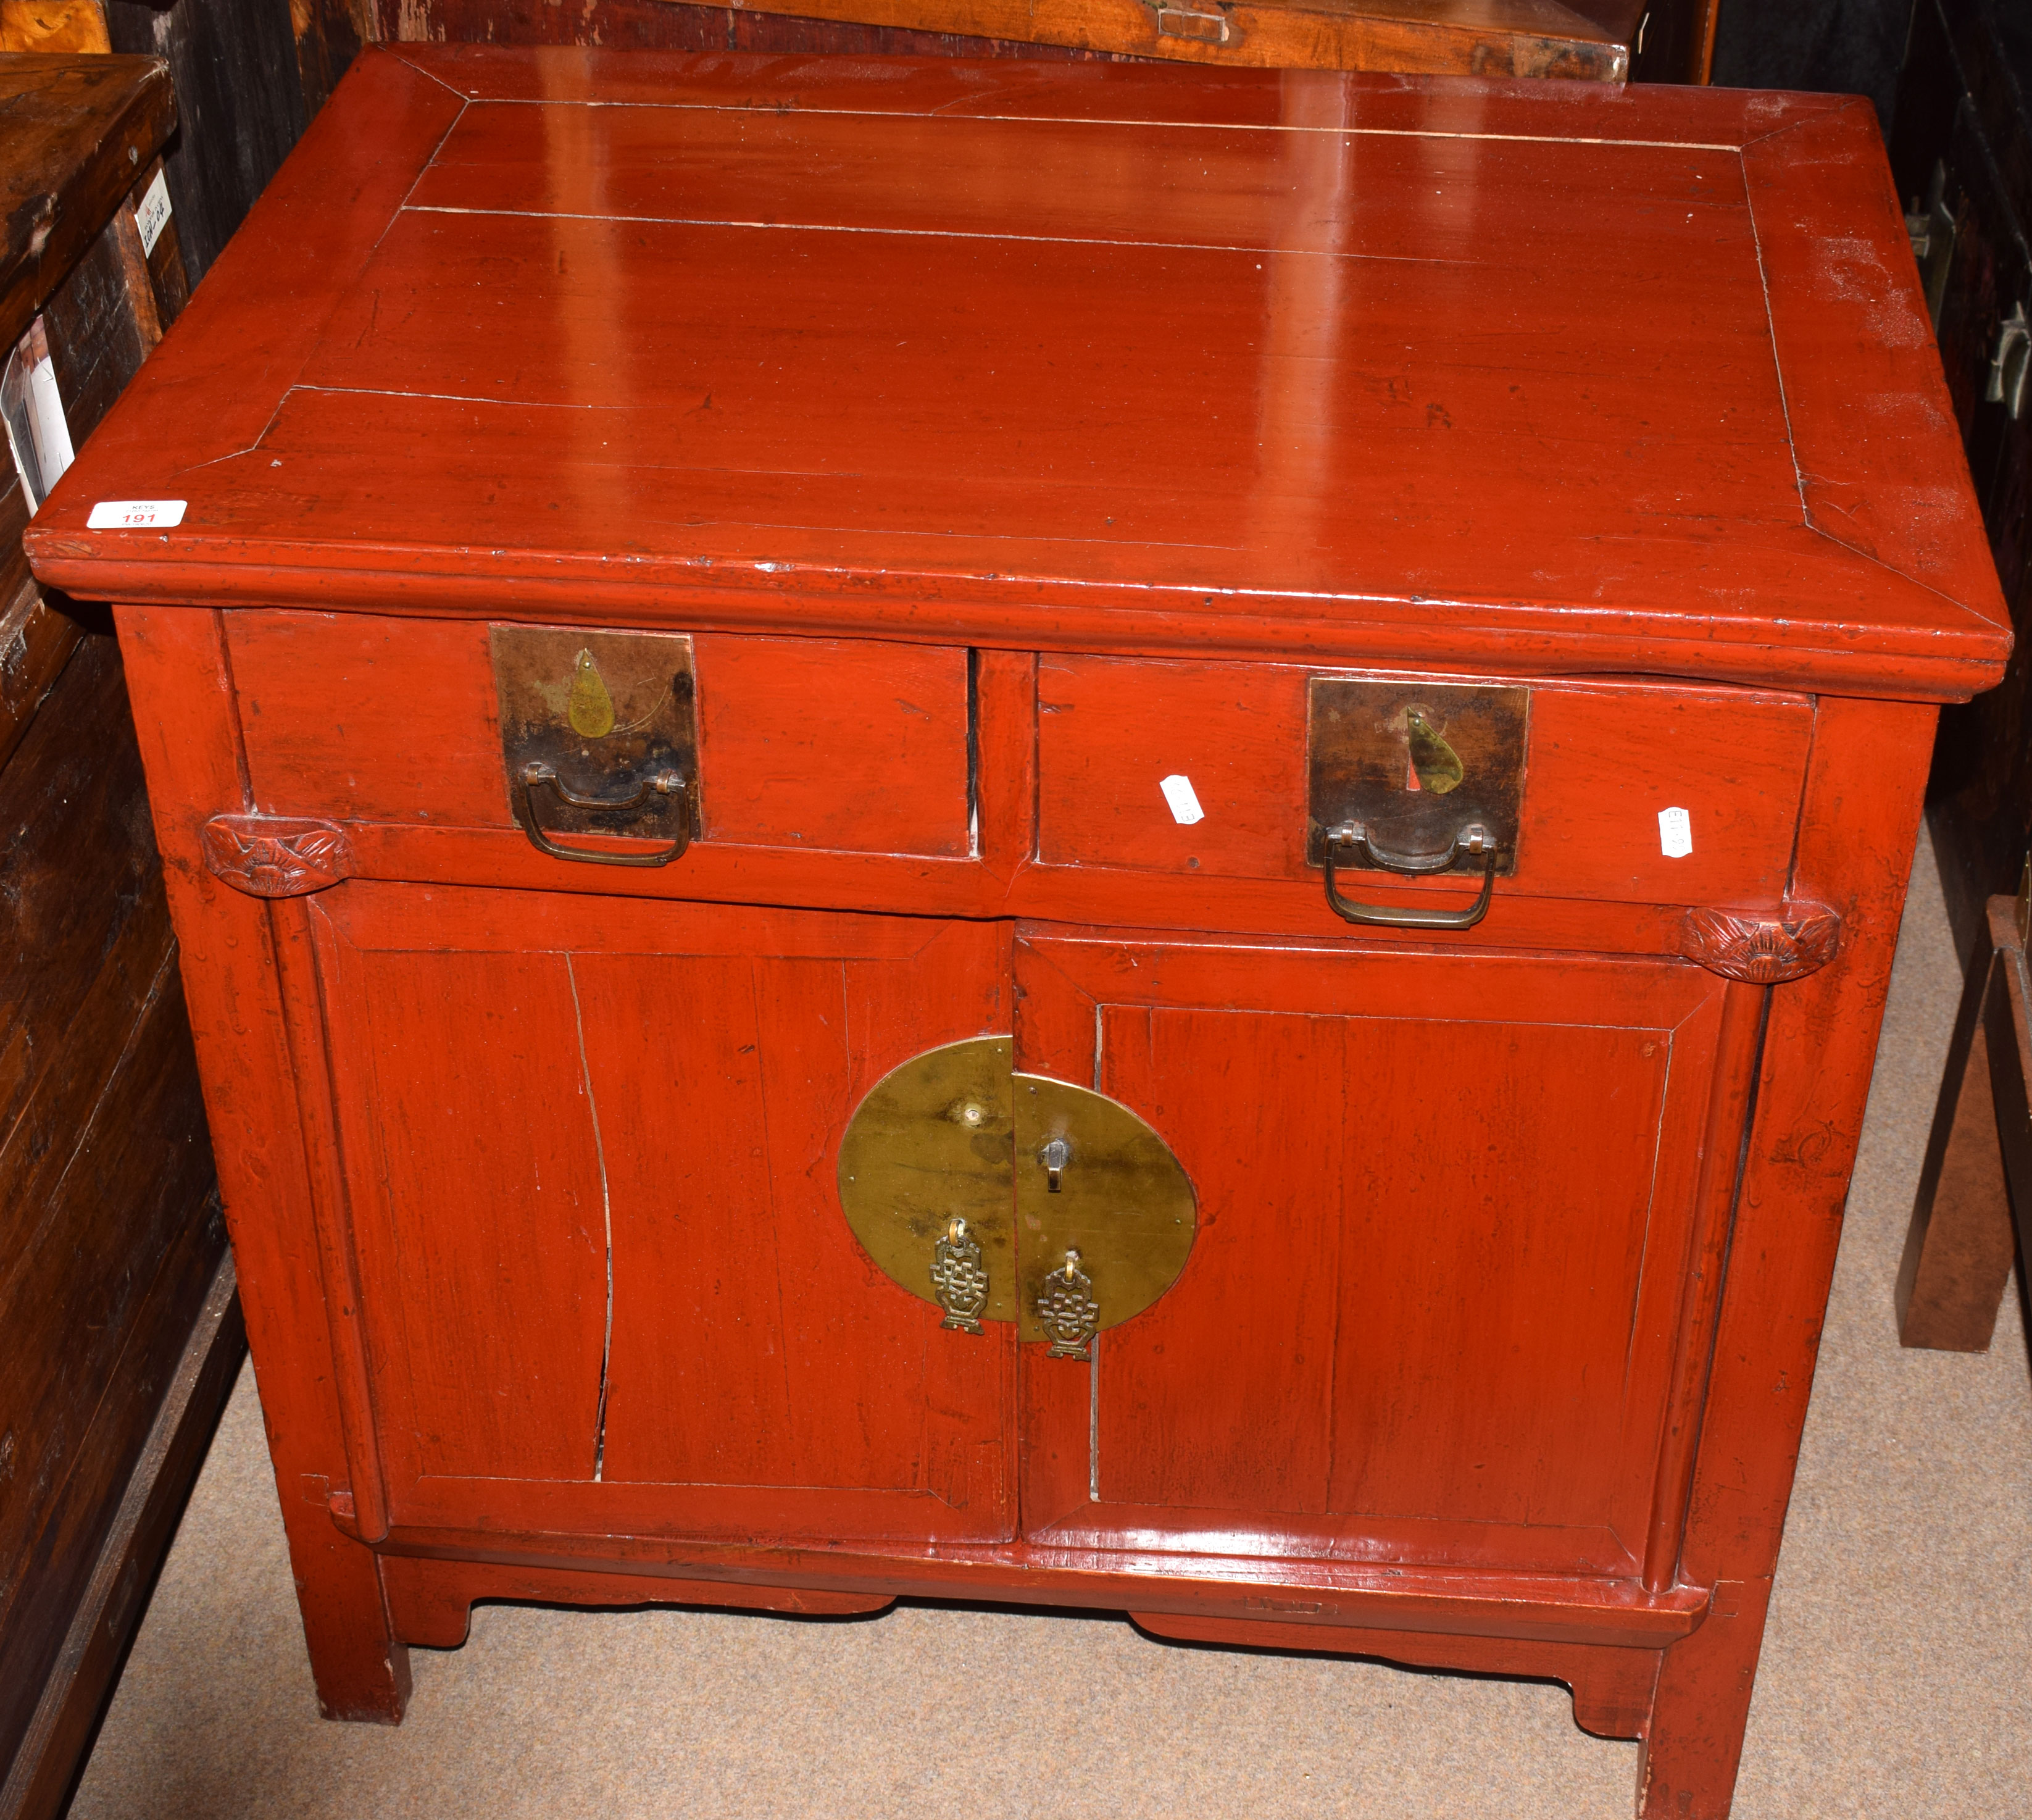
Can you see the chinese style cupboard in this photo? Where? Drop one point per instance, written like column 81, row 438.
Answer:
column 1076, row 833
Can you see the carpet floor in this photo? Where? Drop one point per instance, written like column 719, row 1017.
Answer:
column 1892, row 1685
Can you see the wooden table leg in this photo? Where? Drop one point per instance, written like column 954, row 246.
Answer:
column 1958, row 1251
column 2007, row 1032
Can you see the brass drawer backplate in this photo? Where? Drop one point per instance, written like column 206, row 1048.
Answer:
column 606, row 712
column 1414, row 764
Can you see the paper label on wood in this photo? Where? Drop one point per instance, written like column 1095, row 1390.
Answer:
column 37, row 430
column 151, row 213
column 1675, row 833
column 1183, row 799
column 136, row 514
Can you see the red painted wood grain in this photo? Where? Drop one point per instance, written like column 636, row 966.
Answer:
column 1009, row 437
column 790, row 357
column 592, row 1191
column 1601, row 762
column 1397, row 1241
column 807, row 745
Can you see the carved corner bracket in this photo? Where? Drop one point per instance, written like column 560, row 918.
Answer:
column 1761, row 951
column 275, row 855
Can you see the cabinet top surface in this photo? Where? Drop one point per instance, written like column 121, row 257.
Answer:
column 1354, row 367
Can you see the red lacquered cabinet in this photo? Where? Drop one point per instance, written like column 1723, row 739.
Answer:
column 1097, row 834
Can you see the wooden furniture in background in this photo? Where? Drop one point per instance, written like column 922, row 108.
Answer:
column 1592, row 40
column 1589, row 40
column 1962, row 153
column 978, row 592
column 250, row 73
column 1961, row 150
column 239, row 104
column 1978, row 1167
column 118, row 1330
column 53, row 26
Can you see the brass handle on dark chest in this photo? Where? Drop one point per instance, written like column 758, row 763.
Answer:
column 1352, row 838
column 665, row 783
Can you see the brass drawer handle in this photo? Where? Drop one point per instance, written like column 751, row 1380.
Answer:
column 665, row 783
column 1353, row 837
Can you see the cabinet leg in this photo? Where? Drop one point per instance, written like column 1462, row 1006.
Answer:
column 1958, row 1252
column 362, row 1670
column 1694, row 1741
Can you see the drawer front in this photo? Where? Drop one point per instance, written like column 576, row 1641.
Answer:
column 1602, row 763
column 804, row 745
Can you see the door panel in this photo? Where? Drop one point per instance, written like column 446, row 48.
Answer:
column 638, row 1294
column 483, row 1252
column 1432, row 1308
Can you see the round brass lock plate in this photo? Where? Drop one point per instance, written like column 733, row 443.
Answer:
column 931, row 1143
column 1035, row 1167
column 1123, row 1201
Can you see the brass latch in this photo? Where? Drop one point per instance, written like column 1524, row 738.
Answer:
column 1013, row 1198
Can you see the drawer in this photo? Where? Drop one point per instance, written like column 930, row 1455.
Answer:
column 1600, row 762
column 804, row 745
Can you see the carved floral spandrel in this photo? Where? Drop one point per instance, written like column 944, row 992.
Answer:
column 1762, row 950
column 275, row 856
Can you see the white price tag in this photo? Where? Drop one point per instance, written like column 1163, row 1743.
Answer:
column 1675, row 833
column 1185, row 803
column 151, row 213
column 136, row 515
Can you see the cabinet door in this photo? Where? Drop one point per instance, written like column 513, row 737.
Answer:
column 1447, row 1203
column 589, row 1149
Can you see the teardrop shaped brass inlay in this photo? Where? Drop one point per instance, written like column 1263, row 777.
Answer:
column 1438, row 765
column 589, row 707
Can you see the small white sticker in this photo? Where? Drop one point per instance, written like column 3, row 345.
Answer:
column 51, row 428
column 1675, row 833
column 151, row 214
column 136, row 515
column 1184, row 805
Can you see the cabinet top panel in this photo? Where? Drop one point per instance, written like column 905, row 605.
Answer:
column 1107, row 357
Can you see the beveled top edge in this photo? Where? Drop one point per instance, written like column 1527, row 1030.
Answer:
column 244, row 345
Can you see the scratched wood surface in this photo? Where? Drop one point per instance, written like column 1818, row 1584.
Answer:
column 789, row 343
column 79, row 130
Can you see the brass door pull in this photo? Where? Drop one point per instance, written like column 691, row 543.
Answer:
column 959, row 1278
column 665, row 783
column 1067, row 1311
column 1353, row 838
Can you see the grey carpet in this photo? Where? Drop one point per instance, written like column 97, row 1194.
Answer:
column 1894, row 1666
